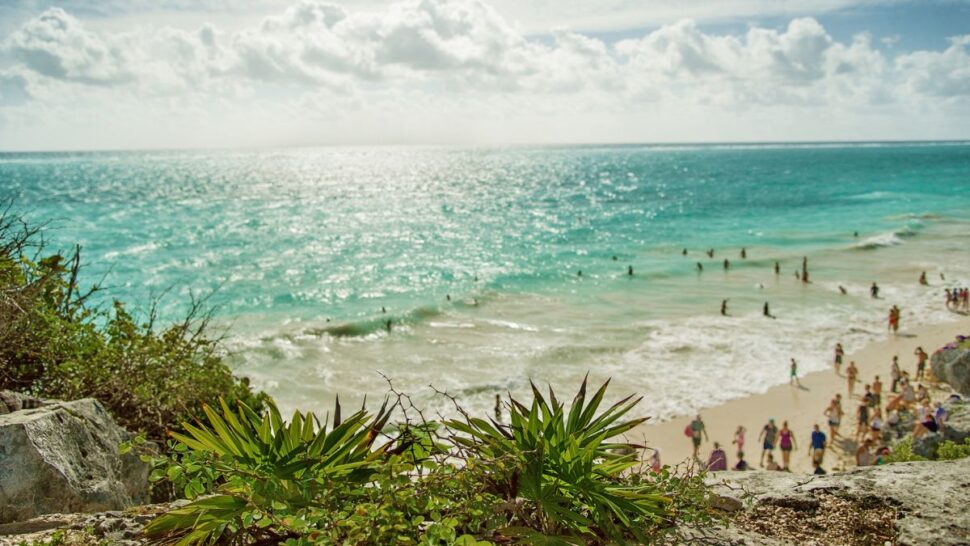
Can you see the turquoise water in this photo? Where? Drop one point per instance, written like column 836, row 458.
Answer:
column 312, row 251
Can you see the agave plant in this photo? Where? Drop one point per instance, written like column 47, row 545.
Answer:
column 567, row 465
column 268, row 472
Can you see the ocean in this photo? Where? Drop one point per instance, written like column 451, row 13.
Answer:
column 473, row 255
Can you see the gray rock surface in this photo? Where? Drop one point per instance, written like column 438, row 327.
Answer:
column 952, row 366
column 64, row 457
column 930, row 499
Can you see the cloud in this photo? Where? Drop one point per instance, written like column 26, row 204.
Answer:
column 460, row 59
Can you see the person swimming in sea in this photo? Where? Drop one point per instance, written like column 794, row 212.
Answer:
column 684, row 252
column 710, row 253
column 388, row 325
column 629, row 270
column 448, row 297
column 700, row 267
column 724, row 307
column 579, row 273
column 744, row 253
column 727, row 264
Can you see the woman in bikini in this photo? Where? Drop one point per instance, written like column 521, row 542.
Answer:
column 786, row 441
column 834, row 414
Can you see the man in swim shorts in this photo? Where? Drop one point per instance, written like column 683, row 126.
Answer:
column 767, row 436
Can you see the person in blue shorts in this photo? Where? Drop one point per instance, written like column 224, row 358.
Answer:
column 818, row 445
column 767, row 436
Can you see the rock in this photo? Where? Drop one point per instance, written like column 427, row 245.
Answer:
column 64, row 457
column 11, row 401
column 904, row 503
column 113, row 527
column 957, row 430
column 951, row 364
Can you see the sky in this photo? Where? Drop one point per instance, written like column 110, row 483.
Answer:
column 137, row 74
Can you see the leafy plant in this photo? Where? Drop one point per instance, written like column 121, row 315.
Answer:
column 903, row 452
column 266, row 474
column 950, row 450
column 566, row 465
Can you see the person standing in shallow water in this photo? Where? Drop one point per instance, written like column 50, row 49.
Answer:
column 794, row 374
column 839, row 353
column 777, row 268
column 724, row 307
column 874, row 291
column 744, row 253
column 727, row 264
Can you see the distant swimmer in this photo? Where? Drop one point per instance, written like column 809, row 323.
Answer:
column 629, row 270
column 744, row 253
column 724, row 307
column 777, row 268
column 843, row 290
column 448, row 297
column 700, row 267
column 388, row 325
column 476, row 278
column 874, row 290
column 855, row 234
column 684, row 252
column 710, row 253
column 579, row 273
column 383, row 310
column 922, row 279
column 614, row 258
column 767, row 311
column 727, row 264
column 498, row 407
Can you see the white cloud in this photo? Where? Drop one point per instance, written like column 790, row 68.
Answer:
column 320, row 71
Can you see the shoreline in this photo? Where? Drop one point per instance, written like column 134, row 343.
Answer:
column 801, row 406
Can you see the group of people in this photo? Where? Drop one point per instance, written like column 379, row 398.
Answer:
column 770, row 437
column 958, row 299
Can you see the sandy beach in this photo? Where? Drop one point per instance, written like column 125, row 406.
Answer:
column 801, row 406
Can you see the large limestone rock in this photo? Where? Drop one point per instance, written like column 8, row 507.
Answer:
column 951, row 365
column 63, row 457
column 920, row 503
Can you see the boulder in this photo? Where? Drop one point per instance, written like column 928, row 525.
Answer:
column 901, row 503
column 951, row 364
column 64, row 457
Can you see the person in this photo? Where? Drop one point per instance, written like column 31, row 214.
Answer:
column 862, row 421
column 767, row 311
column 629, row 270
column 877, row 392
column 895, row 373
column 777, row 268
column 850, row 373
column 794, row 374
column 727, row 264
column 875, row 427
column 804, row 268
column 894, row 421
column 863, row 454
column 697, row 430
column 922, row 279
column 710, row 253
column 387, row 325
column 818, row 445
column 724, row 307
column 684, row 253
column 834, row 415
column 908, row 395
column 868, row 398
column 894, row 316
column 744, row 253
column 940, row 415
column 655, row 460
column 921, row 357
column 925, row 421
column 839, row 353
column 498, row 407
column 786, row 441
column 874, row 290
column 819, row 471
column 448, row 297
column 772, row 465
column 579, row 273
column 741, row 464
column 700, row 267
column 718, row 459
column 739, row 437
column 949, row 297
column 767, row 437
column 843, row 290
column 922, row 393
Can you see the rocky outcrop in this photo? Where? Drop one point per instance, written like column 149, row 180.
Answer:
column 951, row 364
column 957, row 430
column 902, row 503
column 117, row 528
column 64, row 457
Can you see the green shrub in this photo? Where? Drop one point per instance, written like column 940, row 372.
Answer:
column 950, row 450
column 54, row 344
column 903, row 452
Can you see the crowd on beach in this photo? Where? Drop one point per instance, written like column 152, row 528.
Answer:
column 878, row 416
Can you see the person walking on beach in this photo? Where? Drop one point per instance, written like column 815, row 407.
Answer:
column 817, row 453
column 697, row 431
column 921, row 357
column 739, row 439
column 834, row 415
column 877, row 392
column 895, row 374
column 850, row 374
column 767, row 437
column 805, row 269
column 718, row 459
column 786, row 441
column 839, row 353
column 794, row 374
column 874, row 290
column 862, row 421
column 922, row 279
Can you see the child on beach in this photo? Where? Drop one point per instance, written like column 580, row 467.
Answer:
column 772, row 465
column 767, row 436
column 739, row 438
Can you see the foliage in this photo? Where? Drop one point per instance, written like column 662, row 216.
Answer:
column 950, row 450
column 564, row 464
column 53, row 344
column 903, row 452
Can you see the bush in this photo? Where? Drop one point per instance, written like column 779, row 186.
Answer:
column 902, row 452
column 54, row 344
column 950, row 450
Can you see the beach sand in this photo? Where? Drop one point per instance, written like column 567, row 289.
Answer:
column 801, row 407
